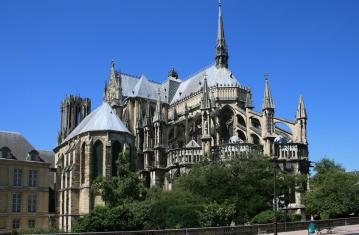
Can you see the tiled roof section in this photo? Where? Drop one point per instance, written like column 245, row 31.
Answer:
column 103, row 118
column 48, row 156
column 141, row 87
column 20, row 147
column 128, row 82
column 215, row 76
column 17, row 143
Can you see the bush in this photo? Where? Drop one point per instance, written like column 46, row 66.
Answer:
column 103, row 218
column 266, row 217
column 294, row 217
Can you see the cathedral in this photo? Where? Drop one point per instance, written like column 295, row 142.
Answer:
column 166, row 127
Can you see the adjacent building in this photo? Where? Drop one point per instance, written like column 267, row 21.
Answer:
column 26, row 184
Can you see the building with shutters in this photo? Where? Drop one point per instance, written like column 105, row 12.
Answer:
column 27, row 177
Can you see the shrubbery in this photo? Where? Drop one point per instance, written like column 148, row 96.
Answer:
column 211, row 194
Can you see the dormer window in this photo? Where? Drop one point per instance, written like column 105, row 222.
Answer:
column 33, row 155
column 5, row 152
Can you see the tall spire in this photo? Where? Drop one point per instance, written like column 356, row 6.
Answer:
column 221, row 48
column 113, row 89
column 112, row 70
column 206, row 102
column 267, row 99
column 301, row 112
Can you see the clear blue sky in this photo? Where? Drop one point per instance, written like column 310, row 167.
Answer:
column 52, row 48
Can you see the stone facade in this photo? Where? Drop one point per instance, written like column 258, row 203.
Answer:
column 175, row 124
column 88, row 152
column 26, row 184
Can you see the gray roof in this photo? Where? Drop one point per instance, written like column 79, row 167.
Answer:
column 20, row 147
column 48, row 156
column 17, row 143
column 104, row 118
column 140, row 87
column 215, row 76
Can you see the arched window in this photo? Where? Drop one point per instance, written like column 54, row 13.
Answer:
column 241, row 135
column 83, row 163
column 226, row 123
column 255, row 139
column 97, row 160
column 241, row 120
column 256, row 123
column 116, row 151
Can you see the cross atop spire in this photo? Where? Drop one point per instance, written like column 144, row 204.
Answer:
column 267, row 99
column 221, row 48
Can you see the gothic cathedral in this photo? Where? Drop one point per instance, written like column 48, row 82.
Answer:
column 166, row 127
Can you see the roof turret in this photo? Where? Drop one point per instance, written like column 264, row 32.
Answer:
column 301, row 111
column 267, row 99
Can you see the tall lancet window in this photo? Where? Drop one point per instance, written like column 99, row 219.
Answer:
column 116, row 151
column 97, row 160
column 83, row 163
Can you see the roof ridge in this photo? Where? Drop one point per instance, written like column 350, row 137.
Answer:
column 11, row 132
column 198, row 71
column 130, row 75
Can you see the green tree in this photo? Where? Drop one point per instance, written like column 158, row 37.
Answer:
column 125, row 187
column 214, row 214
column 174, row 209
column 245, row 181
column 103, row 218
column 334, row 192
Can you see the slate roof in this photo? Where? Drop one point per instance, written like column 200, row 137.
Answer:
column 140, row 87
column 103, row 118
column 20, row 147
column 215, row 76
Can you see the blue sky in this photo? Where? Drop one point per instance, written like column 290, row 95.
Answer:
column 52, row 48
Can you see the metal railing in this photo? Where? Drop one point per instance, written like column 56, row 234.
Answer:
column 240, row 230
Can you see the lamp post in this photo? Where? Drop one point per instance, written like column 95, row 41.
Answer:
column 275, row 196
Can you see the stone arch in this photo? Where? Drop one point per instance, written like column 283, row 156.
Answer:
column 241, row 135
column 283, row 129
column 83, row 162
column 195, row 128
column 241, row 120
column 255, row 123
column 180, row 140
column 283, row 126
column 97, row 159
column 171, row 135
column 116, row 149
column 255, row 139
column 226, row 119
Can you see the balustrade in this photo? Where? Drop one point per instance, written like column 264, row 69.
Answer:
column 291, row 151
